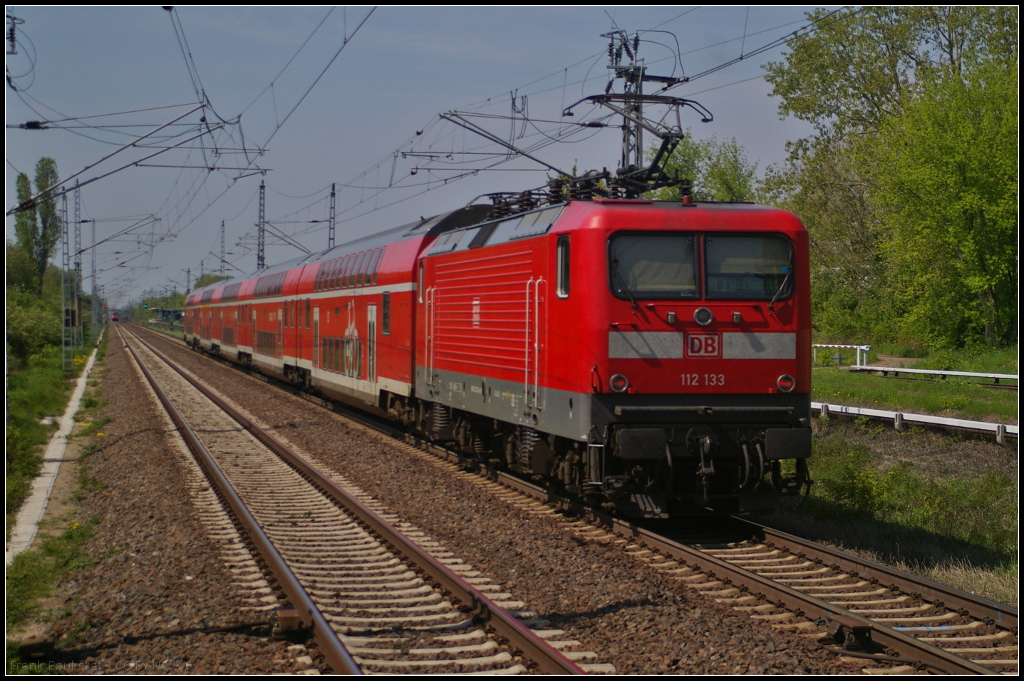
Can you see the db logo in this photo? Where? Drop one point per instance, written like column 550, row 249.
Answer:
column 702, row 345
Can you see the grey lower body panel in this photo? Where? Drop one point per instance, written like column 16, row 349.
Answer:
column 772, row 410
column 558, row 412
column 586, row 417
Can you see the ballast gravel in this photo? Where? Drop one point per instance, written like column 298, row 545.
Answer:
column 633, row 617
column 157, row 598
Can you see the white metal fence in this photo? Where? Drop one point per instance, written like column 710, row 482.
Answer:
column 901, row 419
column 862, row 351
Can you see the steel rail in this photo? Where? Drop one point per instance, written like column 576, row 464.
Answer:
column 334, row 650
column 907, row 646
column 547, row 658
column 990, row 612
column 912, row 649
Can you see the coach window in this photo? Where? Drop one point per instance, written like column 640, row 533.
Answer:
column 329, row 276
column 309, row 314
column 364, row 269
column 386, row 313
column 349, row 276
column 357, row 269
column 420, row 282
column 563, row 266
column 339, row 276
column 336, row 282
column 376, row 264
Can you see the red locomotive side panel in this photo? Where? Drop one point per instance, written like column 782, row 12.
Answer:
column 481, row 312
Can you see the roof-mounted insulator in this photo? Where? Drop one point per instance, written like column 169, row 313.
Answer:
column 686, row 192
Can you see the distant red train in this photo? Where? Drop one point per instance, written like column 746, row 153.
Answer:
column 654, row 356
column 115, row 317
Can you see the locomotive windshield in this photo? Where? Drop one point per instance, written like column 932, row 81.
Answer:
column 666, row 266
column 654, row 266
column 748, row 267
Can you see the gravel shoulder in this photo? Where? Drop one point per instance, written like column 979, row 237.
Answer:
column 157, row 587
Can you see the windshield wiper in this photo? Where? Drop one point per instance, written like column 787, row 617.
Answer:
column 615, row 271
column 789, row 270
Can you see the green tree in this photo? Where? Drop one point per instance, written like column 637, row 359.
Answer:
column 32, row 324
column 903, row 197
column 821, row 185
column 21, row 269
column 718, row 170
column 945, row 174
column 207, row 279
column 38, row 227
column 858, row 67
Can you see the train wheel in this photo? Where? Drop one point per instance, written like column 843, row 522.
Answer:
column 792, row 487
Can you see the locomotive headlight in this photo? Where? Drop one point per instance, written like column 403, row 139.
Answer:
column 618, row 383
column 786, row 383
column 703, row 316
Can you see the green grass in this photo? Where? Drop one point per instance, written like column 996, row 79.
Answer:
column 953, row 397
column 988, row 360
column 896, row 350
column 32, row 574
column 39, row 390
column 960, row 532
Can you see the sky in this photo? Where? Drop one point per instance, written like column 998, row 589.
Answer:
column 367, row 85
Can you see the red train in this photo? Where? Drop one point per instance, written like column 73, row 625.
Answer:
column 654, row 356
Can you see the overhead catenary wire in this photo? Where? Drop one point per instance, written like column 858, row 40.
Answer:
column 809, row 26
column 431, row 182
column 175, row 225
column 198, row 190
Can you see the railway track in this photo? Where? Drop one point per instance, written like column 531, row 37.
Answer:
column 865, row 609
column 375, row 599
column 856, row 607
column 871, row 603
column 868, row 610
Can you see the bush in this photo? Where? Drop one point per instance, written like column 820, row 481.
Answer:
column 981, row 512
column 31, row 325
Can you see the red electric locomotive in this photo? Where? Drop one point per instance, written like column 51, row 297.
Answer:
column 652, row 355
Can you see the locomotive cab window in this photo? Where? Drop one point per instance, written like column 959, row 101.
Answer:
column 563, row 266
column 748, row 267
column 653, row 266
